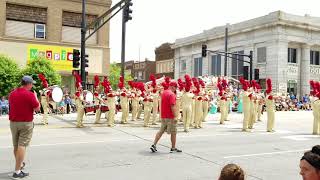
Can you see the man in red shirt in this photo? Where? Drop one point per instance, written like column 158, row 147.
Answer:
column 22, row 104
column 168, row 117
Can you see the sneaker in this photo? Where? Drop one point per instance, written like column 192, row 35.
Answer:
column 20, row 175
column 172, row 150
column 153, row 148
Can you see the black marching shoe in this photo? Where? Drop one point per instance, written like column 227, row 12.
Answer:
column 153, row 148
column 20, row 175
column 172, row 150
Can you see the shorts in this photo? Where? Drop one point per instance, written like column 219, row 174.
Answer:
column 21, row 133
column 168, row 125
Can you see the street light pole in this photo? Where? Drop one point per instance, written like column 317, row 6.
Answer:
column 251, row 67
column 225, row 50
column 83, row 45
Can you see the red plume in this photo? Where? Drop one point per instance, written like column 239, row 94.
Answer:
column 203, row 85
column 121, row 82
column 181, row 84
column 269, row 86
column 96, row 81
column 153, row 79
column 43, row 80
column 78, row 80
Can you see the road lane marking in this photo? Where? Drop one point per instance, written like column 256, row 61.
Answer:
column 263, row 154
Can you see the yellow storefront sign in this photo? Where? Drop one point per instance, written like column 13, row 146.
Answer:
column 59, row 56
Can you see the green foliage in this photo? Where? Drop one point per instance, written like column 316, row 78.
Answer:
column 9, row 75
column 42, row 66
column 114, row 76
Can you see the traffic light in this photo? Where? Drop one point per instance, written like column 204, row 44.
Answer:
column 76, row 58
column 204, row 50
column 127, row 11
column 256, row 74
column 86, row 61
column 246, row 72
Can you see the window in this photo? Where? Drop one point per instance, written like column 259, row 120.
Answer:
column 25, row 21
column 314, row 58
column 237, row 66
column 216, row 65
column 183, row 65
column 262, row 54
column 140, row 75
column 40, row 31
column 292, row 55
column 197, row 67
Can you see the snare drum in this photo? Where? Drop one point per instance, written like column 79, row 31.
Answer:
column 104, row 108
column 88, row 109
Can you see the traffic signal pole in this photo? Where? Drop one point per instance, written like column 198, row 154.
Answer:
column 83, row 46
column 123, row 43
column 225, row 50
column 226, row 55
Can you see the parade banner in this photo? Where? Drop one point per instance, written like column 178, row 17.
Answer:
column 59, row 56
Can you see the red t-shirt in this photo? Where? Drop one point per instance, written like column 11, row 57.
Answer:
column 168, row 99
column 22, row 104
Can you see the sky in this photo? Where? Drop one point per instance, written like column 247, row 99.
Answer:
column 159, row 21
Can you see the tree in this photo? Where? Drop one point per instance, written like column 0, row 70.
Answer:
column 114, row 76
column 42, row 66
column 9, row 75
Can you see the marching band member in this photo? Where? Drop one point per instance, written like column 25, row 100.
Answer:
column 134, row 100
column 223, row 101
column 186, row 102
column 270, row 107
column 98, row 101
column 205, row 101
column 124, row 102
column 147, row 104
column 45, row 93
column 246, row 104
column 178, row 99
column 198, row 105
column 111, row 103
column 260, row 102
column 253, row 107
column 155, row 98
column 79, row 99
column 315, row 105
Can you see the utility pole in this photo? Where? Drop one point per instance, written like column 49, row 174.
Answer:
column 226, row 50
column 251, row 67
column 83, row 46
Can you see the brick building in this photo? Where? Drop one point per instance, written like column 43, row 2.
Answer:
column 140, row 70
column 51, row 29
column 165, row 60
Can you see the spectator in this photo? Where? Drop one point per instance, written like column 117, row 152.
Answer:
column 23, row 103
column 61, row 106
column 292, row 96
column 4, row 105
column 310, row 164
column 231, row 172
column 67, row 101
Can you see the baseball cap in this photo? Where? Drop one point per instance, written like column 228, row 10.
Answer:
column 28, row 80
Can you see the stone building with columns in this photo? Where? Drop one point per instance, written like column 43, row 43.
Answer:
column 285, row 48
column 51, row 29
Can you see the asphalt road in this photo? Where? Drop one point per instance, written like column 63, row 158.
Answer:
column 61, row 151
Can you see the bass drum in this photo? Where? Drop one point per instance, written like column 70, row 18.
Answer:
column 57, row 94
column 88, row 96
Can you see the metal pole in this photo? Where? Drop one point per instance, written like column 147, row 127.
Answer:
column 83, row 45
column 225, row 50
column 251, row 55
column 123, row 43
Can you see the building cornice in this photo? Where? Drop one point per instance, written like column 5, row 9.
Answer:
column 270, row 20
